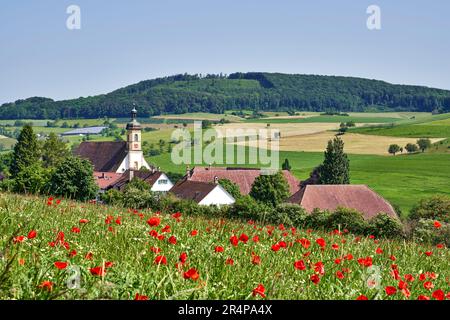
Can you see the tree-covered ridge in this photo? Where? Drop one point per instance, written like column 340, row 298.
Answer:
column 255, row 91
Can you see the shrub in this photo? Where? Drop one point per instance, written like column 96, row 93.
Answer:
column 113, row 197
column 425, row 231
column 289, row 214
column 436, row 207
column 248, row 208
column 385, row 226
column 138, row 199
column 317, row 219
column 343, row 218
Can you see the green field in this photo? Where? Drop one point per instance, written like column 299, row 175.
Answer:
column 326, row 119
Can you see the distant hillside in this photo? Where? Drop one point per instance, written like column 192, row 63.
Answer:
column 255, row 91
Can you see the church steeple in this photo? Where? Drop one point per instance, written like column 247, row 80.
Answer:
column 134, row 132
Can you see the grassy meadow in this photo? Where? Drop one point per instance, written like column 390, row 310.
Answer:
column 53, row 249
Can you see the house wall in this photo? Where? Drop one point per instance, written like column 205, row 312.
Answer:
column 159, row 187
column 218, row 196
column 130, row 159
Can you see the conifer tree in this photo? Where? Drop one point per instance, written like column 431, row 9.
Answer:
column 26, row 151
column 335, row 167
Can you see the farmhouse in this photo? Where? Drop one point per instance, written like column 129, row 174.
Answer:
column 158, row 181
column 204, row 193
column 242, row 177
column 330, row 197
column 117, row 156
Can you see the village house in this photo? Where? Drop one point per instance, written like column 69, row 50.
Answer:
column 117, row 162
column 331, row 197
column 204, row 193
column 242, row 177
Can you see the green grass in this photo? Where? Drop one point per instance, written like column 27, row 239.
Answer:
column 403, row 179
column 327, row 119
column 26, row 265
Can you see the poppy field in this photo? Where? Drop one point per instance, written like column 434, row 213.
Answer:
column 59, row 249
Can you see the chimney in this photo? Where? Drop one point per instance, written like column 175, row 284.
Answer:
column 103, row 175
column 216, row 179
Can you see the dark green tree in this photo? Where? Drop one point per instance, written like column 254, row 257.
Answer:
column 286, row 165
column 424, row 144
column 73, row 178
column 54, row 150
column 26, row 151
column 231, row 188
column 393, row 149
column 411, row 147
column 270, row 189
column 335, row 167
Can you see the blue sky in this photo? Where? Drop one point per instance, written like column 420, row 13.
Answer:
column 123, row 42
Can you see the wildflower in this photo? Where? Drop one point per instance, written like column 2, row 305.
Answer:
column 321, row 242
column 315, row 278
column 334, row 246
column 428, row 253
column 362, row 297
column 438, row 295
column 47, row 285
column 423, row 297
column 390, row 290
column 229, row 261
column 18, row 239
column 379, row 251
column 194, row 233
column 183, row 257
column 84, row 221
column 75, row 230
column 60, row 265
column 234, row 240
column 139, row 297
column 256, row 260
column 173, row 240
column 72, row 253
column 305, row 243
column 276, row 247
column 319, row 268
column 428, row 285
column 155, row 249
column 299, row 265
column 32, row 234
column 218, row 249
column 191, row 274
column 160, row 260
column 259, row 290
column 255, row 239
column 437, row 224
column 97, row 271
column 339, row 275
column 154, row 221
column 243, row 237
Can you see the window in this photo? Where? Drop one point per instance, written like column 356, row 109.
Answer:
column 162, row 181
column 136, row 137
column 136, row 165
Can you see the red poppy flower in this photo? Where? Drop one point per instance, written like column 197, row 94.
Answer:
column 119, row 221
column 319, row 268
column 218, row 249
column 234, row 240
column 183, row 257
column 61, row 265
column 194, row 233
column 32, row 234
column 299, row 265
column 315, row 279
column 176, row 216
column 438, row 295
column 84, row 220
column 379, row 251
column 402, row 285
column 408, row 277
column 422, row 277
column 72, row 253
column 109, row 264
column 75, row 230
column 305, row 243
column 393, row 258
column 437, row 224
column 349, row 257
column 154, row 221
column 47, row 285
column 255, row 239
column 406, row 293
column 423, row 297
column 276, row 247
column 428, row 253
column 229, row 261
column 440, row 246
column 256, row 260
column 88, row 256
column 19, row 239
column 362, row 297
column 166, row 229
column 108, row 219
column 97, row 271
column 139, row 297
column 21, row 261
column 153, row 233
column 243, row 237
column 340, row 275
column 160, row 237
column 390, row 290
column 259, row 290
column 282, row 244
column 428, row 285
column 160, row 260
column 367, row 261
column 155, row 249
column 337, row 261
column 191, row 274
column 173, row 240
column 321, row 242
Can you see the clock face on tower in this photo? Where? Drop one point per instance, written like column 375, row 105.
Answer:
column 136, row 146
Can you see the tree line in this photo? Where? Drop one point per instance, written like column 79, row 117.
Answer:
column 237, row 91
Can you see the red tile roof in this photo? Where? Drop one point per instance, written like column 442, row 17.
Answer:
column 148, row 176
column 192, row 190
column 243, row 177
column 105, row 156
column 105, row 179
column 330, row 197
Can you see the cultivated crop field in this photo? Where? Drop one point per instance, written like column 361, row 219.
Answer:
column 111, row 253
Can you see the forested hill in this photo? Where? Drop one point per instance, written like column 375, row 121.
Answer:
column 254, row 91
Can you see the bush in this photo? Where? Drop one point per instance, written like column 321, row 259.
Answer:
column 289, row 214
column 317, row 219
column 425, row 231
column 343, row 218
column 248, row 208
column 436, row 207
column 385, row 226
column 138, row 199
column 112, row 196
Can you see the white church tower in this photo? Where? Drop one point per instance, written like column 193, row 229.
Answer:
column 135, row 157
